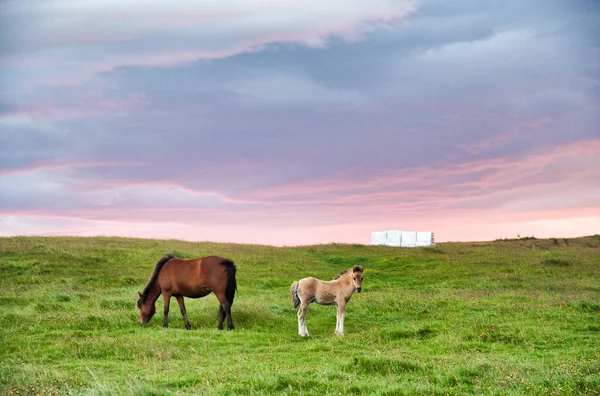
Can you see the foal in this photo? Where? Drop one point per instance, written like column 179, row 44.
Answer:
column 338, row 292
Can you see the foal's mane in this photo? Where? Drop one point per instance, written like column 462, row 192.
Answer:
column 157, row 267
column 356, row 268
column 341, row 273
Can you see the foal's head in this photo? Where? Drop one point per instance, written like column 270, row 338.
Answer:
column 357, row 277
column 146, row 310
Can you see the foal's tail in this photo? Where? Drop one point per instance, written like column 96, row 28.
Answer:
column 295, row 297
column 231, row 282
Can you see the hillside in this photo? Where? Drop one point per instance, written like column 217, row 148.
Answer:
column 512, row 316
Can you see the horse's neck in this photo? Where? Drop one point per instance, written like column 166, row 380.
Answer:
column 153, row 294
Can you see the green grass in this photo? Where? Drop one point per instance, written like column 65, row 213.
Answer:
column 505, row 317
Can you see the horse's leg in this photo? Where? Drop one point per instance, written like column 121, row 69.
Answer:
column 228, row 314
column 167, row 301
column 183, row 311
column 339, row 328
column 225, row 306
column 221, row 317
column 302, row 329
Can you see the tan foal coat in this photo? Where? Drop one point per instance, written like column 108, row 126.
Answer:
column 335, row 292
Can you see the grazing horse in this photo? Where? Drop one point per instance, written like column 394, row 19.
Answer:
column 189, row 278
column 338, row 292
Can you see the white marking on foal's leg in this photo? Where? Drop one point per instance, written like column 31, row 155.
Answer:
column 305, row 329
column 302, row 330
column 300, row 324
column 304, row 322
column 339, row 328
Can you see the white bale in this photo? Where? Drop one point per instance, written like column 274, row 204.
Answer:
column 424, row 238
column 394, row 238
column 378, row 238
column 409, row 239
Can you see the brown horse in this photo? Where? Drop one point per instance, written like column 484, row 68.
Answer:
column 189, row 278
column 335, row 292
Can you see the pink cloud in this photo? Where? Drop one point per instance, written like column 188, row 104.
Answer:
column 432, row 182
column 50, row 166
column 472, row 201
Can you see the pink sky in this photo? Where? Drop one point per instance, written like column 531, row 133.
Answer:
column 299, row 122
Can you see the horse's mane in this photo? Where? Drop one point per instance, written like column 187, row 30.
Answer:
column 341, row 273
column 356, row 268
column 153, row 278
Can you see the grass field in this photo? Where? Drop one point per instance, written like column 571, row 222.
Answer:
column 504, row 317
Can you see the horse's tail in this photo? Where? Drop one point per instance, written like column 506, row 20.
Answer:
column 295, row 297
column 231, row 281
column 153, row 278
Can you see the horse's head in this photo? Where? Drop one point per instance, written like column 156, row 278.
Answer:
column 146, row 310
column 357, row 277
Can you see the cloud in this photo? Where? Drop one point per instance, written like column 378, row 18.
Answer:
column 508, row 186
column 303, row 114
column 71, row 40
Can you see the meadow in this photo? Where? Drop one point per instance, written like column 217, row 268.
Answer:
column 505, row 317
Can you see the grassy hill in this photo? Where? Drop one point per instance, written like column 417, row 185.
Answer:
column 506, row 317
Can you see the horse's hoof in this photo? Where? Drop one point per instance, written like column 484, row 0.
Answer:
column 337, row 333
column 188, row 327
column 230, row 328
column 165, row 326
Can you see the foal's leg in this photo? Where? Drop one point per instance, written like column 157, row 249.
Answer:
column 339, row 327
column 183, row 312
column 302, row 329
column 167, row 301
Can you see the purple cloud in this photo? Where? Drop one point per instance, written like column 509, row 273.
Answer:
column 298, row 118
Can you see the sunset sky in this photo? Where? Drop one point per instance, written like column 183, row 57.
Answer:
column 300, row 121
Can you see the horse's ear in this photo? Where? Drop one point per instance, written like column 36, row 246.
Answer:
column 140, row 294
column 357, row 268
